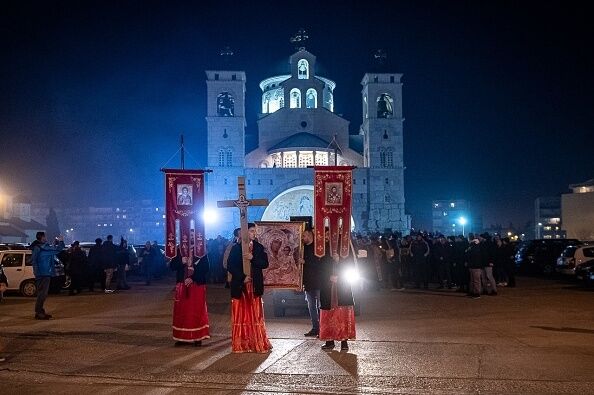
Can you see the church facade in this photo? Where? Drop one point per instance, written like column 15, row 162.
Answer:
column 297, row 129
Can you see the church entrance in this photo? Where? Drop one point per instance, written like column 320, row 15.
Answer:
column 296, row 201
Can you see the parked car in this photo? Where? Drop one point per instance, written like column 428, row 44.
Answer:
column 19, row 272
column 585, row 273
column 540, row 256
column 572, row 257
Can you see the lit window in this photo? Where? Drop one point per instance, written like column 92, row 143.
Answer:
column 290, row 159
column 164, row 216
column 311, row 98
column 445, row 213
column 124, row 216
column 452, row 205
column 221, row 157
column 303, row 69
column 305, row 158
column 436, row 205
column 225, row 105
column 156, row 208
column 157, row 224
column 321, row 159
column 295, row 98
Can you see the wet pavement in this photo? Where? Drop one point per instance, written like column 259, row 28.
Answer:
column 534, row 339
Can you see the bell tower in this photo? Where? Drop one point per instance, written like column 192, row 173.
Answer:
column 225, row 118
column 382, row 130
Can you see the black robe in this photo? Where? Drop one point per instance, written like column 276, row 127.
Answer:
column 200, row 269
column 235, row 267
column 344, row 291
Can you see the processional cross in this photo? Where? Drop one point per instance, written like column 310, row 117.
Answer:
column 242, row 204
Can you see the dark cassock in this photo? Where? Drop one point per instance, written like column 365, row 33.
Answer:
column 248, row 331
column 337, row 314
column 190, row 315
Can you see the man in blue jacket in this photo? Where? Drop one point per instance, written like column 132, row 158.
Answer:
column 42, row 260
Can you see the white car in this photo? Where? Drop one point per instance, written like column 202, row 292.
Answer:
column 574, row 256
column 19, row 272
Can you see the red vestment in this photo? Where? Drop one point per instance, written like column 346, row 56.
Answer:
column 190, row 316
column 248, row 332
column 338, row 323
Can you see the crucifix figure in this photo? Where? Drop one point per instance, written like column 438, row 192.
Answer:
column 242, row 204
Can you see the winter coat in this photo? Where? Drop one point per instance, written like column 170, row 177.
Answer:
column 418, row 249
column 95, row 257
column 42, row 258
column 235, row 267
column 474, row 256
column 122, row 256
column 108, row 255
column 78, row 262
column 312, row 268
column 200, row 269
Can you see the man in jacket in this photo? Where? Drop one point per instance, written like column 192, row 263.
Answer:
column 419, row 251
column 311, row 281
column 42, row 260
column 108, row 258
column 248, row 331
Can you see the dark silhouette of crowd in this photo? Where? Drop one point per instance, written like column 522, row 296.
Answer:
column 476, row 264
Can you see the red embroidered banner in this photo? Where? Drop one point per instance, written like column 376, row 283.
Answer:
column 332, row 206
column 184, row 202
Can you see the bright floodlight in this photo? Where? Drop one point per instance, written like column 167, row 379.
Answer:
column 210, row 216
column 462, row 221
column 352, row 275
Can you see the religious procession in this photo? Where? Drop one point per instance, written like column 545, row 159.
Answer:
column 254, row 261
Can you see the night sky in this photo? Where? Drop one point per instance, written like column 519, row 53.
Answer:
column 498, row 97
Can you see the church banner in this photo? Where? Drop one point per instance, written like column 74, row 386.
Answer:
column 332, row 207
column 184, row 203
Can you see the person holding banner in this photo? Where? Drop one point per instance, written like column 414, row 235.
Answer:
column 190, row 315
column 337, row 314
column 248, row 331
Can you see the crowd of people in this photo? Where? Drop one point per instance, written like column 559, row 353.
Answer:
column 476, row 264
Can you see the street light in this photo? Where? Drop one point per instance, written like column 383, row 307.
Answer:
column 462, row 221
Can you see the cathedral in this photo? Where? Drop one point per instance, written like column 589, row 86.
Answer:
column 297, row 129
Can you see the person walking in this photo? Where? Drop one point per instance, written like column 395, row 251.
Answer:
column 488, row 251
column 42, row 259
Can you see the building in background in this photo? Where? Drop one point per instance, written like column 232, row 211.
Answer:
column 577, row 211
column 547, row 218
column 297, row 129
column 453, row 217
column 17, row 224
column 135, row 221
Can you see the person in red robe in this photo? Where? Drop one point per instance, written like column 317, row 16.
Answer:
column 337, row 314
column 248, row 331
column 190, row 315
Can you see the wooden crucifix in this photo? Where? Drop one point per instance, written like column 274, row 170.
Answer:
column 242, row 204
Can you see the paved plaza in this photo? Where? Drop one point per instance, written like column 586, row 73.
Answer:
column 534, row 339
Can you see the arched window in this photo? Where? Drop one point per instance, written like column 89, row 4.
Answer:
column 389, row 158
column 311, row 98
column 221, row 158
column 303, row 69
column 385, row 106
column 229, row 157
column 225, row 105
column 295, row 98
